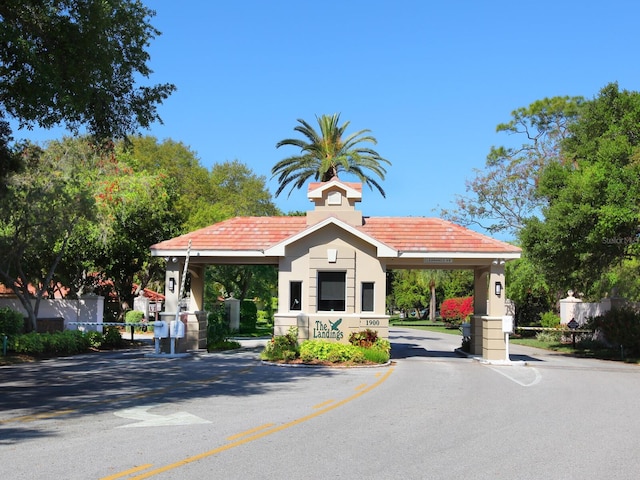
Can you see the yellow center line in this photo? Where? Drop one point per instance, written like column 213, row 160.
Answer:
column 361, row 386
column 320, row 405
column 38, row 416
column 264, row 433
column 128, row 472
column 249, row 432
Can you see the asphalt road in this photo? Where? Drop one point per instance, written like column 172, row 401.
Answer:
column 431, row 414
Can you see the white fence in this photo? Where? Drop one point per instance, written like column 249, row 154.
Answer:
column 89, row 308
column 572, row 308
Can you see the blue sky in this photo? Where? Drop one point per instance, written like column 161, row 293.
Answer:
column 431, row 80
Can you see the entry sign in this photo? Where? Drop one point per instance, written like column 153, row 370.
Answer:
column 573, row 324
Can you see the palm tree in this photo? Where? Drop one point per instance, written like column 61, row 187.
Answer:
column 325, row 153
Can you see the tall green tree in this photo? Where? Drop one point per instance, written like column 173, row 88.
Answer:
column 76, row 63
column 178, row 163
column 205, row 196
column 504, row 194
column 411, row 290
column 415, row 289
column 237, row 191
column 327, row 152
column 40, row 209
column 136, row 210
column 592, row 215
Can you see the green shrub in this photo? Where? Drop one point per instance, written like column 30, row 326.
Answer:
column 383, row 344
column 365, row 338
column 217, row 327
column 375, row 355
column 28, row 344
column 324, row 351
column 248, row 316
column 133, row 316
column 218, row 331
column 315, row 350
column 11, row 322
column 69, row 342
column 621, row 328
column 282, row 347
column 95, row 338
column 112, row 338
column 549, row 320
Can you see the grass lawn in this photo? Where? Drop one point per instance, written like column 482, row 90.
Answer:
column 424, row 325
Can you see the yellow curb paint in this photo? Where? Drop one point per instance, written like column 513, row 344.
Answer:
column 128, row 472
column 229, row 446
column 249, row 432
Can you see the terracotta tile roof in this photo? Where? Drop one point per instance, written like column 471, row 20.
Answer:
column 405, row 234
column 357, row 186
column 239, row 233
column 421, row 234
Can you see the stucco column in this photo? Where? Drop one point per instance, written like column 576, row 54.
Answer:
column 480, row 290
column 196, row 327
column 171, row 288
column 494, row 346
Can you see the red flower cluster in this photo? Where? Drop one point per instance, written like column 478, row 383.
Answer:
column 456, row 309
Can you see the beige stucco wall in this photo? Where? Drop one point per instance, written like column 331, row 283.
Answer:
column 304, row 259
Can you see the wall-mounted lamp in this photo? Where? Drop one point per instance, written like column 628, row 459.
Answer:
column 174, row 259
column 172, row 284
column 498, row 289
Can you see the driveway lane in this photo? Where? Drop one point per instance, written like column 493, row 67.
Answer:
column 437, row 415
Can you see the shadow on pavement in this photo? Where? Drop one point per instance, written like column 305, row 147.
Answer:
column 109, row 381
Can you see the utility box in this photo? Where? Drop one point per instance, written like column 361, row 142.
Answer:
column 160, row 329
column 466, row 330
column 507, row 324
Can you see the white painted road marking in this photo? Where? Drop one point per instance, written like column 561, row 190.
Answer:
column 523, row 376
column 146, row 419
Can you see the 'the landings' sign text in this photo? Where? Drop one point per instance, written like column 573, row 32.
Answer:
column 328, row 330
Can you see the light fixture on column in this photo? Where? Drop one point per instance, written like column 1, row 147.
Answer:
column 172, row 284
column 498, row 289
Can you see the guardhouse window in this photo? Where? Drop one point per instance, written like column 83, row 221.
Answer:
column 332, row 291
column 367, row 297
column 295, row 295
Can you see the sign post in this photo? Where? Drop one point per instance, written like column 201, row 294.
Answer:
column 507, row 328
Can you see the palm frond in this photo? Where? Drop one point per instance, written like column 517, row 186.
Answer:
column 326, row 152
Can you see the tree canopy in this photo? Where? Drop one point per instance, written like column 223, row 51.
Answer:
column 76, row 216
column 40, row 208
column 76, row 63
column 324, row 154
column 591, row 215
column 503, row 195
